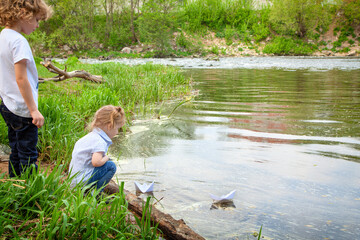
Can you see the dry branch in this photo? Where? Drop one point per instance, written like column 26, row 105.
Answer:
column 63, row 74
column 171, row 228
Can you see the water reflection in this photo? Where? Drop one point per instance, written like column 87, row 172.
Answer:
column 287, row 141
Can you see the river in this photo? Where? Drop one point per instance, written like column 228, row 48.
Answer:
column 283, row 132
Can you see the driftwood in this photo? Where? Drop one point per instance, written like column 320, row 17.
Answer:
column 171, row 228
column 63, row 74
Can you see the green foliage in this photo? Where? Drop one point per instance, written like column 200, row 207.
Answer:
column 183, row 42
column 287, row 46
column 216, row 14
column 71, row 61
column 188, row 46
column 215, row 50
column 352, row 12
column 298, row 17
column 220, row 34
column 43, row 206
column 322, row 43
column 230, row 34
column 345, row 50
column 157, row 24
column 261, row 31
column 94, row 28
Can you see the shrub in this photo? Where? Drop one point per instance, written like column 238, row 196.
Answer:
column 287, row 46
column 261, row 31
column 337, row 44
column 215, row 50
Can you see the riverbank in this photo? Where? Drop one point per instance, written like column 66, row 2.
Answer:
column 210, row 46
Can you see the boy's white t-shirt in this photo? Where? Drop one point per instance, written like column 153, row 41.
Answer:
column 13, row 48
column 95, row 141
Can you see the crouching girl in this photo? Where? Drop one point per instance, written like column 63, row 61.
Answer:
column 89, row 162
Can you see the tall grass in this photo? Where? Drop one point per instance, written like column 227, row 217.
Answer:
column 43, row 206
column 68, row 106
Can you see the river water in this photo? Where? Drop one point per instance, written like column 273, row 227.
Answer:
column 283, row 132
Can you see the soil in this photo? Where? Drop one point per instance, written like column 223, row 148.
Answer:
column 4, row 167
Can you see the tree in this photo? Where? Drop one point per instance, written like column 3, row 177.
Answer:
column 297, row 17
column 352, row 11
column 157, row 22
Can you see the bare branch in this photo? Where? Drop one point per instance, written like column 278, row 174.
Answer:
column 63, row 74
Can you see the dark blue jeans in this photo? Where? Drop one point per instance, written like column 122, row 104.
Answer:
column 23, row 137
column 102, row 175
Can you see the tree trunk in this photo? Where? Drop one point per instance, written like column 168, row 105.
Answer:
column 134, row 39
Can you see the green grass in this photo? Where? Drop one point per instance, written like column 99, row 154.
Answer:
column 43, row 206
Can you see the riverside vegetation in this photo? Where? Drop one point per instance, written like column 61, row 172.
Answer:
column 162, row 28
column 43, row 206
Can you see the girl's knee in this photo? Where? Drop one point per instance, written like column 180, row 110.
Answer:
column 111, row 166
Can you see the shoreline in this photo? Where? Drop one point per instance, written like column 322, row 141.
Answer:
column 252, row 62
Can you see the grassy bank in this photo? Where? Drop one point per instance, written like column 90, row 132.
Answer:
column 69, row 105
column 44, row 206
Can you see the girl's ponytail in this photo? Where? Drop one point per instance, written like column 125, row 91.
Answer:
column 108, row 115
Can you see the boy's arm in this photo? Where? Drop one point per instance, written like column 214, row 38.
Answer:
column 98, row 160
column 25, row 90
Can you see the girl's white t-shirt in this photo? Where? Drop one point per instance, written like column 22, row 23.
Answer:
column 13, row 48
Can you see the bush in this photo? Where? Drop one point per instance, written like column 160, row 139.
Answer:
column 351, row 42
column 345, row 50
column 215, row 50
column 337, row 44
column 287, row 46
column 261, row 31
column 183, row 42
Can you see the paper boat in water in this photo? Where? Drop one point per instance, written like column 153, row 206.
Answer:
column 144, row 188
column 228, row 196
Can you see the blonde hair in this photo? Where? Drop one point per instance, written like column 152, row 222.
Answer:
column 11, row 11
column 108, row 115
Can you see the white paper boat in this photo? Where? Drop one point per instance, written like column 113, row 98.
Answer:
column 144, row 188
column 228, row 196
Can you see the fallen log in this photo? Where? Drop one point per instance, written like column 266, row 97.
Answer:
column 63, row 74
column 171, row 228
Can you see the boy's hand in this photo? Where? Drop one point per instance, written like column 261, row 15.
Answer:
column 38, row 119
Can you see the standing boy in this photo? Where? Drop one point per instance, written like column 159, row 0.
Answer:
column 19, row 80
